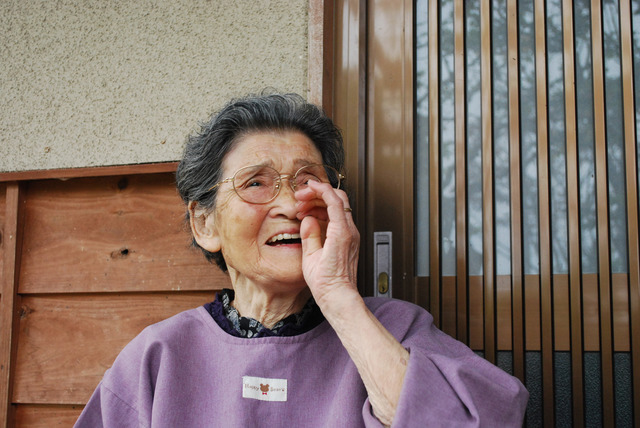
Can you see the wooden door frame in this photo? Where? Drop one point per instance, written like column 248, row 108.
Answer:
column 344, row 85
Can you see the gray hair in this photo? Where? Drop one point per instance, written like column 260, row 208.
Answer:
column 201, row 165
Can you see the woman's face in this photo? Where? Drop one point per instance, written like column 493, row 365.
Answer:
column 250, row 235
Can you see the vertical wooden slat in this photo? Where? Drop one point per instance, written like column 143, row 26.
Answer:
column 532, row 312
column 320, row 69
column 561, row 320
column 573, row 219
column 544, row 204
column 434, row 164
column 348, row 111
column 9, row 303
column 476, row 328
column 504, row 313
column 517, row 273
column 487, row 183
column 408, row 256
column 620, row 311
column 631, row 168
column 461, row 174
column 602, row 207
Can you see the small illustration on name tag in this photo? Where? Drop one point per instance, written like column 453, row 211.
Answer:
column 264, row 389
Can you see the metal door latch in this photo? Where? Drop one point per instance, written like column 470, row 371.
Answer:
column 382, row 266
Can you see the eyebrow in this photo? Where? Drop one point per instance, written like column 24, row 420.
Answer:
column 297, row 163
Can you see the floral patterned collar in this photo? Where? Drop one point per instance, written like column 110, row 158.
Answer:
column 228, row 318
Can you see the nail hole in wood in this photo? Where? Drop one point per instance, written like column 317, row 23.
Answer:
column 123, row 183
column 120, row 254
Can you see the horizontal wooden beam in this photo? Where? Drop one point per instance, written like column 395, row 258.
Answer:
column 101, row 171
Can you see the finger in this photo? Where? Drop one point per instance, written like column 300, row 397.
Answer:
column 319, row 213
column 310, row 204
column 335, row 200
column 310, row 235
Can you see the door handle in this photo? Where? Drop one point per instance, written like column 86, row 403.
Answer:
column 382, row 266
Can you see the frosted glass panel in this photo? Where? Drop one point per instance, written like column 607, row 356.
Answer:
column 586, row 154
column 501, row 190
column 448, row 140
column 529, row 139
column 557, row 146
column 422, row 138
column 474, row 137
column 615, row 138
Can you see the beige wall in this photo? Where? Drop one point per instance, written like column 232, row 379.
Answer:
column 97, row 82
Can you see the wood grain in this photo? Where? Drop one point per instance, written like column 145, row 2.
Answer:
column 532, row 330
column 504, row 325
column 13, row 227
column 67, row 342
column 109, row 234
column 621, row 316
column 448, row 305
column 101, row 171
column 476, row 313
column 561, row 313
column 3, row 198
column 44, row 416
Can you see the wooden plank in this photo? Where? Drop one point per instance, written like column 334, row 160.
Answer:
column 620, row 308
column 320, row 57
column 348, row 109
column 408, row 254
column 476, row 313
column 631, row 172
column 517, row 266
column 110, row 234
column 12, row 243
column 3, row 192
column 532, row 313
column 504, row 324
column 43, row 416
column 545, row 328
column 435, row 255
column 561, row 312
column 89, row 331
column 422, row 291
column 149, row 168
column 488, row 218
column 590, row 312
column 573, row 220
column 602, row 208
column 461, row 173
column 448, row 300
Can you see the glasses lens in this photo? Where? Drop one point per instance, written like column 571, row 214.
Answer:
column 319, row 173
column 256, row 184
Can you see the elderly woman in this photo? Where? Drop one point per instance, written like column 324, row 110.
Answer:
column 293, row 344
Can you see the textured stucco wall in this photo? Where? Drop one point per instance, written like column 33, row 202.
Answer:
column 106, row 82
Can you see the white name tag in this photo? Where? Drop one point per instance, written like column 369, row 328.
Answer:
column 265, row 389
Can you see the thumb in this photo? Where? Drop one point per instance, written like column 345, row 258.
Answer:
column 310, row 235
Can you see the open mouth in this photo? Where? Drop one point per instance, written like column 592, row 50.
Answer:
column 285, row 239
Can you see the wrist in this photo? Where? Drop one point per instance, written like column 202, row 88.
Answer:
column 341, row 303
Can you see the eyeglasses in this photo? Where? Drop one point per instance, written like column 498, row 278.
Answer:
column 260, row 184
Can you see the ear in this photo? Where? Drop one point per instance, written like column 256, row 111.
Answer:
column 204, row 228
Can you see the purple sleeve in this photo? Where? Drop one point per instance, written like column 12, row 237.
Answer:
column 105, row 409
column 447, row 384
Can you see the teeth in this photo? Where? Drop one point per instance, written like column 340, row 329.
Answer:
column 282, row 236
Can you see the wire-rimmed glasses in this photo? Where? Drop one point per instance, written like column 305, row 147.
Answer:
column 260, row 184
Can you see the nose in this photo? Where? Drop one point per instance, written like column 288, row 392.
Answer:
column 285, row 201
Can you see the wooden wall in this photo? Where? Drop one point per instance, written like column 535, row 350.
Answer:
column 88, row 259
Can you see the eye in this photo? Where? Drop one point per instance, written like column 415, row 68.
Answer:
column 304, row 178
column 255, row 181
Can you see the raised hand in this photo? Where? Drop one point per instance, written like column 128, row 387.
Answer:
column 330, row 242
